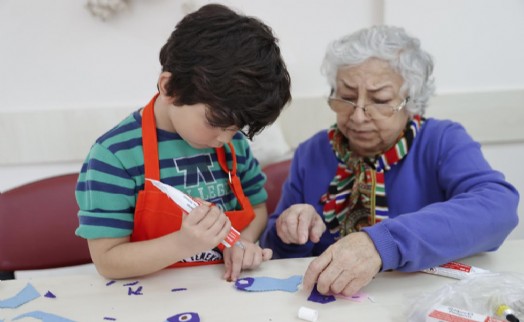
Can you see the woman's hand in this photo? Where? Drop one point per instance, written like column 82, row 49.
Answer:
column 345, row 267
column 300, row 223
column 204, row 228
column 237, row 259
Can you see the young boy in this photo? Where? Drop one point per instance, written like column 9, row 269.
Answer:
column 221, row 73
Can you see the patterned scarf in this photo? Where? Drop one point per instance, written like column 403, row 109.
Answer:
column 357, row 196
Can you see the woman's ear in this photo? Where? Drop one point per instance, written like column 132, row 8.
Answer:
column 163, row 80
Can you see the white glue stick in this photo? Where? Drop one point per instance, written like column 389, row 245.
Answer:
column 307, row 314
column 455, row 270
column 187, row 204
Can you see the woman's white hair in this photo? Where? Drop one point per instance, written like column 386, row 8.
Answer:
column 391, row 44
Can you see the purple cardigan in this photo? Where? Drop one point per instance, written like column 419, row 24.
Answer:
column 445, row 201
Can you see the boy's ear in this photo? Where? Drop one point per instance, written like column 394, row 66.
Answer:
column 163, row 80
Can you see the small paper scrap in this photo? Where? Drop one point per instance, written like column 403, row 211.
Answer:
column 264, row 284
column 50, row 295
column 357, row 297
column 43, row 316
column 27, row 294
column 185, row 317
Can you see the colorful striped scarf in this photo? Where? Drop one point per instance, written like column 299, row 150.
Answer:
column 357, row 196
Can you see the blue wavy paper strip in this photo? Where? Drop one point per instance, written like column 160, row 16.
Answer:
column 265, row 284
column 27, row 294
column 43, row 316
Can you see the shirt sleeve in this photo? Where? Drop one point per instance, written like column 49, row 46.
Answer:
column 105, row 194
column 477, row 210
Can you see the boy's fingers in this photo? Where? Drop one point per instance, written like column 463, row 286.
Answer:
column 237, row 257
column 267, row 253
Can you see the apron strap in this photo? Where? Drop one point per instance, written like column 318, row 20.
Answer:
column 234, row 180
column 151, row 159
column 149, row 143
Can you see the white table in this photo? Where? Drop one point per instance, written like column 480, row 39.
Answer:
column 88, row 298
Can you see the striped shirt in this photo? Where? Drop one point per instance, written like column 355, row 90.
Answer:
column 113, row 174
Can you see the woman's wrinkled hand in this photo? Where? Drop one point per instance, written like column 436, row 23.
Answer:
column 345, row 267
column 300, row 223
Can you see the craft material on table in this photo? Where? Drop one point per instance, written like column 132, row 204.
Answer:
column 184, row 317
column 43, row 316
column 264, row 284
column 317, row 297
column 27, row 294
column 305, row 313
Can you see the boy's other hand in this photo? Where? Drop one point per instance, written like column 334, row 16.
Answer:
column 237, row 259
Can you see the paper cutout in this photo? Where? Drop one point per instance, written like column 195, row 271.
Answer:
column 184, row 317
column 108, row 318
column 179, row 289
column 138, row 291
column 50, row 295
column 131, row 283
column 317, row 297
column 264, row 284
column 27, row 294
column 43, row 316
column 357, row 297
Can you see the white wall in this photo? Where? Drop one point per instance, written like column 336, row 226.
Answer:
column 66, row 76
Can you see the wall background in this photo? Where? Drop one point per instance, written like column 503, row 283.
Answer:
column 66, row 76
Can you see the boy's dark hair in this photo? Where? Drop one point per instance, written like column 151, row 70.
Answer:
column 229, row 62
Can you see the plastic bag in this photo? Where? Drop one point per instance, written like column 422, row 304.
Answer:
column 483, row 294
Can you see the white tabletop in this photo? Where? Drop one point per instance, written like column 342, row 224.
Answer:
column 88, row 297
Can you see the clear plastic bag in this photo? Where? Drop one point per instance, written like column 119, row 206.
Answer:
column 483, row 293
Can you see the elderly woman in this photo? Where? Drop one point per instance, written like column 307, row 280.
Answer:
column 385, row 188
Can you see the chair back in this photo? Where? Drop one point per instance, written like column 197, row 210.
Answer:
column 37, row 226
column 276, row 175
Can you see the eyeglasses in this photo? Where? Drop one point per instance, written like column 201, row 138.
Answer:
column 373, row 111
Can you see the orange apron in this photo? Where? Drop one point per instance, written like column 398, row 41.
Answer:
column 155, row 214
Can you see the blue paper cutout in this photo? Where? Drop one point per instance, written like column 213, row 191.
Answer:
column 184, row 317
column 317, row 297
column 27, row 294
column 263, row 284
column 43, row 316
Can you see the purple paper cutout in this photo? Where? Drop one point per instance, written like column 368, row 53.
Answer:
column 138, row 291
column 50, row 295
column 244, row 283
column 27, row 294
column 179, row 289
column 317, row 297
column 131, row 284
column 184, row 317
column 43, row 316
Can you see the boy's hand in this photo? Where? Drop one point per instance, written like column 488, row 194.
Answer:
column 204, row 228
column 237, row 259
